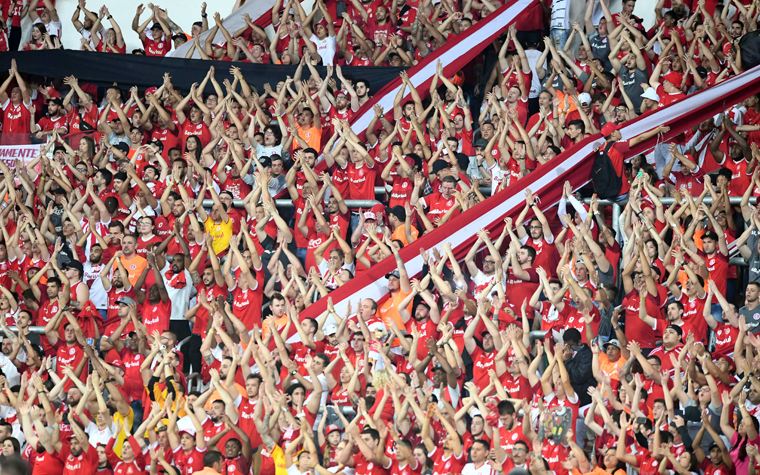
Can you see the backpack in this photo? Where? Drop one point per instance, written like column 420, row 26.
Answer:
column 607, row 183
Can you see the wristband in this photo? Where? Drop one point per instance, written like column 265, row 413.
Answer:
column 205, row 15
column 109, row 16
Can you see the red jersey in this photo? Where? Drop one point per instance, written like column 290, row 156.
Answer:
column 635, row 328
column 450, row 464
column 245, row 420
column 86, row 462
column 189, row 129
column 16, row 123
column 437, row 205
column 158, row 48
column 68, row 355
column 719, row 269
column 189, row 462
column 692, row 314
column 156, row 317
column 361, row 181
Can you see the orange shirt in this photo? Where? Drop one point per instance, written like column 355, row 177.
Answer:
column 134, row 267
column 312, row 136
column 389, row 310
column 399, row 234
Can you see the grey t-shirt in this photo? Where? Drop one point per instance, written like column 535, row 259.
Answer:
column 600, row 47
column 753, row 263
column 632, row 84
column 694, row 426
column 751, row 318
column 606, row 278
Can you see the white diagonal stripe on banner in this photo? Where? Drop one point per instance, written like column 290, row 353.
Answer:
column 690, row 106
column 464, row 46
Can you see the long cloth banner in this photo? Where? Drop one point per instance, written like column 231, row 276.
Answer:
column 454, row 55
column 148, row 71
column 546, row 183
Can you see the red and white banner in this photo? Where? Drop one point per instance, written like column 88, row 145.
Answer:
column 454, row 55
column 546, row 183
column 26, row 153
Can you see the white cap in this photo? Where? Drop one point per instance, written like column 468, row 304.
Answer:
column 651, row 94
column 584, row 98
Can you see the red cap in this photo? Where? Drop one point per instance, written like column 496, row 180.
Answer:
column 118, row 364
column 151, row 90
column 379, row 211
column 673, row 77
column 608, row 128
column 331, row 428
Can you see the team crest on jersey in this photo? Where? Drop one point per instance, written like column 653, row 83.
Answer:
column 72, row 351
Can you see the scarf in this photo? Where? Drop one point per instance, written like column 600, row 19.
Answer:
column 176, row 281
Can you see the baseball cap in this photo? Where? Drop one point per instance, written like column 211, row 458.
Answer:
column 483, row 143
column 75, row 265
column 118, row 364
column 584, row 98
column 122, row 147
column 151, row 90
column 398, row 211
column 608, row 128
column 379, row 211
column 673, row 77
column 369, row 214
column 331, row 428
column 710, row 235
column 341, row 91
column 330, row 329
column 394, row 273
column 126, row 301
column 220, row 44
column 439, row 165
column 613, row 342
column 651, row 94
column 677, row 329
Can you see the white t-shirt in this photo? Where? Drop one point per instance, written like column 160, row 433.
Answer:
column 98, row 436
column 484, row 469
column 180, row 297
column 326, row 48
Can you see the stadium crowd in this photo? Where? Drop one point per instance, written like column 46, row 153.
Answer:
column 174, row 340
